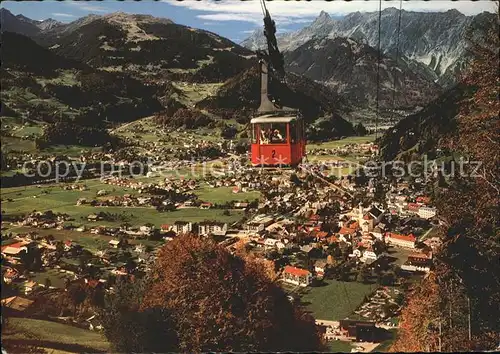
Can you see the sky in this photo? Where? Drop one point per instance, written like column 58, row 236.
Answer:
column 233, row 19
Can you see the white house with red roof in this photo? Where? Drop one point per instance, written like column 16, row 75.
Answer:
column 418, row 262
column 423, row 200
column 165, row 227
column 406, row 241
column 346, row 234
column 297, row 276
column 13, row 251
column 67, row 245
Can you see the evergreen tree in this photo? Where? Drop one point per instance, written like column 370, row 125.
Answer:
column 360, row 129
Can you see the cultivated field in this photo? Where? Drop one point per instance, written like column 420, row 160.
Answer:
column 338, row 346
column 342, row 142
column 54, row 197
column 335, row 300
column 224, row 194
column 53, row 335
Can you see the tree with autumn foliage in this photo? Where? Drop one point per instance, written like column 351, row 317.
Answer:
column 471, row 204
column 221, row 302
column 463, row 292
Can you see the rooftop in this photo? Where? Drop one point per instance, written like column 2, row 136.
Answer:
column 17, row 303
column 346, row 231
column 272, row 119
column 375, row 212
column 296, row 271
column 409, row 237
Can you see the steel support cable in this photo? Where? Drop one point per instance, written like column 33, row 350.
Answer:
column 395, row 71
column 263, row 7
column 378, row 68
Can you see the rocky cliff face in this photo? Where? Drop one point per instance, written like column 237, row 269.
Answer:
column 435, row 39
column 321, row 27
column 44, row 25
column 26, row 26
column 350, row 68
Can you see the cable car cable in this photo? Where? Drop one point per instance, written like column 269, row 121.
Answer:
column 378, row 68
column 397, row 61
column 262, row 7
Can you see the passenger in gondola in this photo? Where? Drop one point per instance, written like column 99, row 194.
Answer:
column 276, row 136
column 265, row 136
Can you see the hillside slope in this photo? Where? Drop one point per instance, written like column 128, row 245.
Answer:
column 41, row 85
column 324, row 111
column 17, row 24
column 148, row 47
column 21, row 53
column 421, row 132
column 242, row 93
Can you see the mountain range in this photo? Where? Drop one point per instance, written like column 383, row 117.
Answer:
column 434, row 39
column 139, row 44
column 331, row 64
column 43, row 86
column 24, row 25
column 162, row 63
column 348, row 67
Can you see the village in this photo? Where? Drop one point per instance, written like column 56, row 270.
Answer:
column 346, row 248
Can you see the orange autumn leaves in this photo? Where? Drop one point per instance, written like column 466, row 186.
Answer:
column 221, row 302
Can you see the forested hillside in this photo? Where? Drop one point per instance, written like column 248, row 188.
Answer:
column 464, row 291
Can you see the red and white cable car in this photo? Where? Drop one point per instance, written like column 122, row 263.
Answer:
column 278, row 135
column 277, row 140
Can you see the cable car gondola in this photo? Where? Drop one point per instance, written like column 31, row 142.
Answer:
column 277, row 140
column 278, row 135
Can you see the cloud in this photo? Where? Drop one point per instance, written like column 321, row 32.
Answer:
column 284, row 12
column 60, row 14
column 280, row 20
column 226, row 17
column 87, row 6
column 210, row 23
